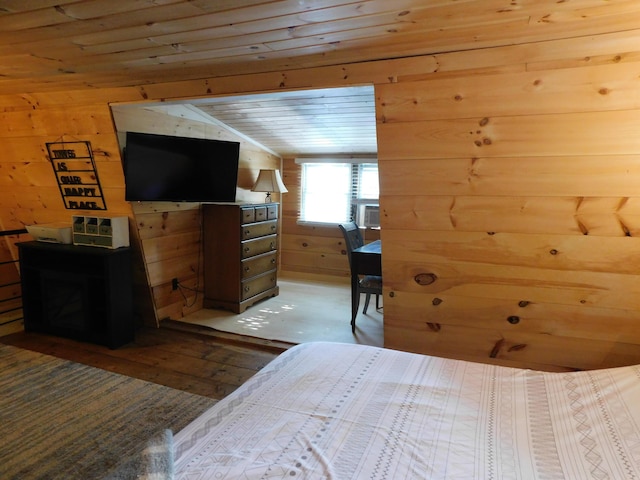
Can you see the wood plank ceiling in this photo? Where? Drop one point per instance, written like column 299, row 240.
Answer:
column 319, row 122
column 50, row 45
column 67, row 44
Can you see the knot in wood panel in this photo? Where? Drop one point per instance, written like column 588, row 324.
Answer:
column 425, row 278
column 517, row 348
column 496, row 348
column 436, row 301
column 513, row 319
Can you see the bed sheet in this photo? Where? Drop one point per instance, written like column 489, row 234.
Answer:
column 338, row 411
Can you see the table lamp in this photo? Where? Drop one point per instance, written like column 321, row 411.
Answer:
column 269, row 181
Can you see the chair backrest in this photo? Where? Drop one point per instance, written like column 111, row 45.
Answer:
column 352, row 237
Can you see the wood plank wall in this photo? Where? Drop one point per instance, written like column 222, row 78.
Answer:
column 511, row 195
column 314, row 250
column 171, row 233
column 11, row 316
column 29, row 193
column 509, row 175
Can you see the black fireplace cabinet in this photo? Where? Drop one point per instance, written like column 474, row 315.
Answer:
column 78, row 292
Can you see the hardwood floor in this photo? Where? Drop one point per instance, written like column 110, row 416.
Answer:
column 212, row 365
column 202, row 359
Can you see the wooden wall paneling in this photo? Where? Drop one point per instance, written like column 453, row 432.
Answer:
column 11, row 316
column 313, row 244
column 480, row 214
column 292, row 227
column 596, row 216
column 571, row 134
column 182, row 218
column 622, row 353
column 529, row 128
column 30, row 194
column 178, row 303
column 544, row 352
column 162, row 248
column 314, row 254
column 527, row 197
column 609, row 87
column 439, row 311
column 486, row 280
column 181, row 267
column 547, row 176
column 615, row 254
column 358, row 73
column 169, row 235
column 144, row 309
column 170, row 232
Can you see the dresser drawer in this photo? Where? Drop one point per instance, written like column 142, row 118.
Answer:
column 260, row 245
column 247, row 215
column 258, row 264
column 261, row 213
column 255, row 230
column 258, row 284
column 258, row 213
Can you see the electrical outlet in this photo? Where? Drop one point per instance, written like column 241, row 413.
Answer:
column 174, row 283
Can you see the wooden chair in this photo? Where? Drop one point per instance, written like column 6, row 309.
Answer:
column 367, row 284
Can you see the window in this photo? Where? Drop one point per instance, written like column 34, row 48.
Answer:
column 337, row 192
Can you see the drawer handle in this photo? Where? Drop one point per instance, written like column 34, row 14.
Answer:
column 247, row 232
column 246, row 289
column 246, row 269
column 273, row 228
column 246, row 250
column 273, row 260
column 271, row 245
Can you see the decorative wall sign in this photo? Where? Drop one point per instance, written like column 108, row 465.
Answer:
column 76, row 174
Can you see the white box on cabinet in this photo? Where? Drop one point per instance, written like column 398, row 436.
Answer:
column 107, row 232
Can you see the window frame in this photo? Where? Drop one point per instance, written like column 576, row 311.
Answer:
column 356, row 204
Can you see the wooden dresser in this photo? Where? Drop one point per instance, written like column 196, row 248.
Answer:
column 240, row 254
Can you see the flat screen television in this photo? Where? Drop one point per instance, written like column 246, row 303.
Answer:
column 179, row 169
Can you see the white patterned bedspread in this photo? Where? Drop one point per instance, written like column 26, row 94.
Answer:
column 338, row 411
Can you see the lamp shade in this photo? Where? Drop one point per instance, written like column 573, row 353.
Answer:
column 269, row 181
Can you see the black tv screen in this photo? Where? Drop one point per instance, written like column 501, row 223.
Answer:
column 180, row 169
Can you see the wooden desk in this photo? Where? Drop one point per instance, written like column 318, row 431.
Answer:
column 366, row 260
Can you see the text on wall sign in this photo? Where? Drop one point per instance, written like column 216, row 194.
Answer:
column 76, row 174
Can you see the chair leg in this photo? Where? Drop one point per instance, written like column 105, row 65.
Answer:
column 377, row 302
column 366, row 302
column 355, row 304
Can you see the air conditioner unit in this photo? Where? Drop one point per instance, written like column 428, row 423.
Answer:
column 371, row 216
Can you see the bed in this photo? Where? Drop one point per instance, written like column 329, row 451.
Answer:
column 340, row 411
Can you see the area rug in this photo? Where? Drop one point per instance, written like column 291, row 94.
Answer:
column 304, row 311
column 64, row 420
